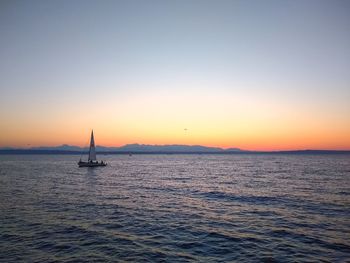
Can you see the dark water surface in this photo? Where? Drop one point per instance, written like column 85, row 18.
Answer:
column 176, row 208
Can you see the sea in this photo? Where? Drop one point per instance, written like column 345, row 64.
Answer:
column 176, row 208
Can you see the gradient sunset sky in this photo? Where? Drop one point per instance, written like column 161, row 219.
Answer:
column 258, row 75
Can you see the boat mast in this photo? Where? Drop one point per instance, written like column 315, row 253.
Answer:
column 92, row 151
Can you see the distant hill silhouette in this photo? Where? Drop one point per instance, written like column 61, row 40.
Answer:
column 167, row 148
column 128, row 148
column 64, row 147
column 152, row 149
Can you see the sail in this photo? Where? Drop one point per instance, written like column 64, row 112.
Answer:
column 92, row 151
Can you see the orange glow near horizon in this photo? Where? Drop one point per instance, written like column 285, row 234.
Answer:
column 160, row 118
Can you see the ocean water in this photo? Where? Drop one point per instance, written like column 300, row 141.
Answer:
column 175, row 208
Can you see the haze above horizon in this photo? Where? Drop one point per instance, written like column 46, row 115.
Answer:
column 256, row 75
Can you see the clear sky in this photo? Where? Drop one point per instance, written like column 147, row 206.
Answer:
column 258, row 75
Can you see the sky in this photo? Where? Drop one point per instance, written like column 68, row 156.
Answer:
column 257, row 75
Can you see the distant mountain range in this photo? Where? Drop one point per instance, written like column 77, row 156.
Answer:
column 130, row 148
column 149, row 149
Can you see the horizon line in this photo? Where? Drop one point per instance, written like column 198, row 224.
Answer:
column 160, row 145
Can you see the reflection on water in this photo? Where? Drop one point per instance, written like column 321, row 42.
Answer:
column 176, row 208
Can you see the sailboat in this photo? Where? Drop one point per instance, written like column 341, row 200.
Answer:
column 92, row 161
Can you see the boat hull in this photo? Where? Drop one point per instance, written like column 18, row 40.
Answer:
column 91, row 164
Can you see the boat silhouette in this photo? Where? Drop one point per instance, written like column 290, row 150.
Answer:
column 92, row 160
